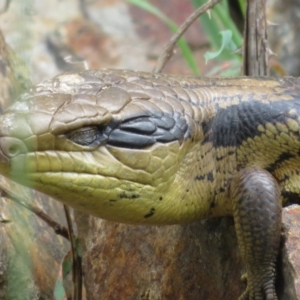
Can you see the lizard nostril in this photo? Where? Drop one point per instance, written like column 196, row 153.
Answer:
column 13, row 150
column 12, row 147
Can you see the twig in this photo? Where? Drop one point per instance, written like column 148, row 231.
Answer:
column 58, row 228
column 255, row 47
column 77, row 268
column 83, row 9
column 168, row 51
column 5, row 7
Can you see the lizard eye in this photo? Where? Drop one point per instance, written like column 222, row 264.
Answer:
column 86, row 136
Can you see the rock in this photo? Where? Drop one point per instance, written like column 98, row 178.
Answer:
column 283, row 32
column 193, row 261
column 290, row 284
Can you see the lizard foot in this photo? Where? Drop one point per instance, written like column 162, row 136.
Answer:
column 259, row 288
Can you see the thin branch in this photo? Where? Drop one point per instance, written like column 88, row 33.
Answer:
column 83, row 9
column 168, row 51
column 58, row 228
column 77, row 268
column 255, row 47
column 5, row 7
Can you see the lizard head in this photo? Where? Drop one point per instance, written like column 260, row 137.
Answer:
column 105, row 142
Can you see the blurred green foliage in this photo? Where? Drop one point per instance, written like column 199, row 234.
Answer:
column 222, row 34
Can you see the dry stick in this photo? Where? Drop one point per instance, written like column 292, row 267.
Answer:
column 168, row 51
column 255, row 46
column 77, row 268
column 5, row 7
column 58, row 228
column 83, row 9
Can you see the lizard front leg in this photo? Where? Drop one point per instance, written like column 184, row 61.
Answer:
column 257, row 215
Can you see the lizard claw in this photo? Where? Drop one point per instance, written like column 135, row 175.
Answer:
column 258, row 289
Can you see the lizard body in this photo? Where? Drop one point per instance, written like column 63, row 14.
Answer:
column 139, row 148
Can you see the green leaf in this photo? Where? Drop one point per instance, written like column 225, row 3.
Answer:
column 227, row 43
column 67, row 264
column 59, row 291
column 78, row 247
column 209, row 24
column 220, row 20
column 242, row 4
column 182, row 44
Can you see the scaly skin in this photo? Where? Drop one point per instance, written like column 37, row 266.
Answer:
column 139, row 148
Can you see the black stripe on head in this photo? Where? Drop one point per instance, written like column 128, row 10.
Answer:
column 135, row 133
column 140, row 132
